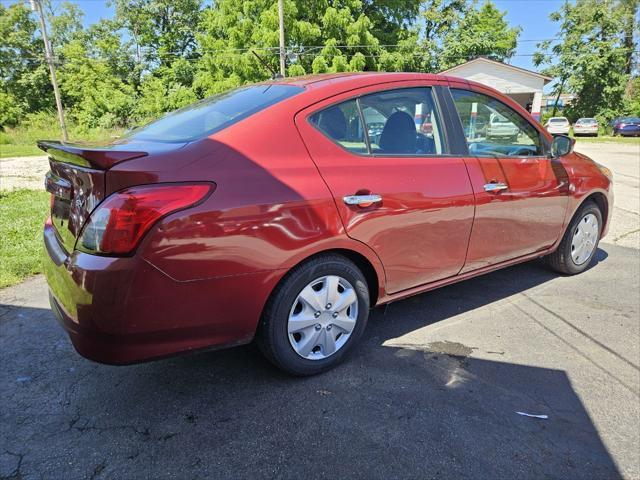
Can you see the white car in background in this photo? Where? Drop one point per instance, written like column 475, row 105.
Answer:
column 558, row 126
column 586, row 126
column 501, row 127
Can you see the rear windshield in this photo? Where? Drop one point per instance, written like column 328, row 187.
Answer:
column 630, row 120
column 587, row 120
column 558, row 120
column 213, row 114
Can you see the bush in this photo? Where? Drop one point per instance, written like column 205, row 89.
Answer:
column 10, row 111
column 21, row 140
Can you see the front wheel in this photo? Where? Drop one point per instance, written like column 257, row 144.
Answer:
column 315, row 316
column 580, row 241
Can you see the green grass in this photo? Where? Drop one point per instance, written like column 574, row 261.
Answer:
column 19, row 151
column 21, row 141
column 22, row 216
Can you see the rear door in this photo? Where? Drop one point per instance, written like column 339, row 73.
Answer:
column 521, row 193
column 385, row 156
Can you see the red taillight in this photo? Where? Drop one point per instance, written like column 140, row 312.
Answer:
column 117, row 224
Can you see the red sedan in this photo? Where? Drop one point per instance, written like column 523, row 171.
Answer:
column 284, row 211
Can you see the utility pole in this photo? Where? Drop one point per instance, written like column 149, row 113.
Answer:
column 282, row 50
column 37, row 7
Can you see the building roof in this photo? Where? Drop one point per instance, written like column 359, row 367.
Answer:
column 451, row 71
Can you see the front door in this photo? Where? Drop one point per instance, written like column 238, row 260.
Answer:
column 521, row 193
column 383, row 155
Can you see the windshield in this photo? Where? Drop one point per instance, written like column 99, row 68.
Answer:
column 213, row 114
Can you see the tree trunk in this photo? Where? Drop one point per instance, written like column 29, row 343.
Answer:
column 630, row 8
column 555, row 105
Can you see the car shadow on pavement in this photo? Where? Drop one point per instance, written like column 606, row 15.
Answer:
column 392, row 410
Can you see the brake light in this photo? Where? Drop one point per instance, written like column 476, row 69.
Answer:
column 118, row 224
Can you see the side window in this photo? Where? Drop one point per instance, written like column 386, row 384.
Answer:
column 493, row 129
column 341, row 123
column 402, row 121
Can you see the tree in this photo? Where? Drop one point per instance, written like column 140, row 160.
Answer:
column 162, row 30
column 65, row 23
column 322, row 36
column 632, row 98
column 588, row 58
column 24, row 78
column 157, row 55
column 95, row 77
column 629, row 14
column 480, row 32
column 391, row 18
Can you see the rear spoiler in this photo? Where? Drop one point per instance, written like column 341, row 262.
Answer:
column 98, row 158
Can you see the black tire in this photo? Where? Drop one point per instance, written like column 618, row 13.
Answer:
column 561, row 260
column 272, row 337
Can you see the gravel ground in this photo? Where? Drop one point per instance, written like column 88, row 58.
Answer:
column 23, row 172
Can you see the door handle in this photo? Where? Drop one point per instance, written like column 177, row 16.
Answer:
column 362, row 200
column 495, row 187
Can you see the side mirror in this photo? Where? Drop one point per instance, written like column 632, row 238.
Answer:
column 561, row 146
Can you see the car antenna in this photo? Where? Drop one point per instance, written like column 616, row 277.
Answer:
column 274, row 75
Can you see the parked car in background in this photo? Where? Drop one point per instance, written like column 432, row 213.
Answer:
column 558, row 126
column 586, row 126
column 277, row 212
column 501, row 127
column 626, row 126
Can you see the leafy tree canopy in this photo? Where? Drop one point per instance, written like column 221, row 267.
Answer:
column 154, row 56
column 590, row 58
column 481, row 32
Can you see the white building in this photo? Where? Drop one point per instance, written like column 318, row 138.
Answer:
column 523, row 86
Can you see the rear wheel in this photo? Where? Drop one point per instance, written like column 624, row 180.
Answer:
column 580, row 241
column 315, row 316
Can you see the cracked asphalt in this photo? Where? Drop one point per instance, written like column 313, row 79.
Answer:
column 431, row 392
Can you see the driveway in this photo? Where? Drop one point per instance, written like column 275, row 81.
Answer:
column 432, row 392
column 624, row 162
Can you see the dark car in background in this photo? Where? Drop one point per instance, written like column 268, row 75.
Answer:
column 626, row 126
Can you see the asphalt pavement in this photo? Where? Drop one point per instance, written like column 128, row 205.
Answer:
column 433, row 390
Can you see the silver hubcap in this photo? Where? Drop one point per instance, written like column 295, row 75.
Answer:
column 585, row 238
column 323, row 317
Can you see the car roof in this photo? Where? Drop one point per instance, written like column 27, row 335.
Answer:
column 349, row 80
column 321, row 80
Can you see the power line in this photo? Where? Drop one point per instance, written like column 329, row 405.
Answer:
column 61, row 61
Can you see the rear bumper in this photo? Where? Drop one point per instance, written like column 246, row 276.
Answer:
column 558, row 131
column 628, row 132
column 124, row 310
column 501, row 134
column 585, row 131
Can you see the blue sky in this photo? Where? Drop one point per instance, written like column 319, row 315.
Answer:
column 531, row 15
